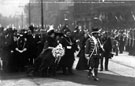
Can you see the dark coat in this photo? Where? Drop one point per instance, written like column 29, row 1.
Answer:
column 82, row 63
column 68, row 58
column 45, row 59
column 107, row 47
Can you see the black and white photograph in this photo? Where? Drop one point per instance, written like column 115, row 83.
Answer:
column 67, row 42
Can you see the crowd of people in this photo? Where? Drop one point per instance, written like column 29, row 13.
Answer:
column 43, row 53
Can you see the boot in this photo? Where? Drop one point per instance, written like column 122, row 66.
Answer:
column 90, row 73
column 95, row 74
column 64, row 70
column 70, row 71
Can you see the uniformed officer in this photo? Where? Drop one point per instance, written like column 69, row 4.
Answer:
column 92, row 53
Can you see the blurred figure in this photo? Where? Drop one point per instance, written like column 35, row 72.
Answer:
column 45, row 61
column 121, row 40
column 82, row 63
column 70, row 46
column 107, row 45
column 115, row 46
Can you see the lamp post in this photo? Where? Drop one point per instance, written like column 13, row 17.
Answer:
column 29, row 13
column 42, row 15
column 16, row 16
column 65, row 19
column 22, row 19
column 22, row 16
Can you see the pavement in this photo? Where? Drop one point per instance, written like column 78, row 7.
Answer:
column 121, row 73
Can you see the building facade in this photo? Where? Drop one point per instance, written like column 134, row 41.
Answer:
column 106, row 14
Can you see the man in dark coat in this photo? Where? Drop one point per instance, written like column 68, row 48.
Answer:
column 121, row 40
column 70, row 46
column 32, row 45
column 107, row 45
column 7, row 47
column 20, row 53
column 82, row 63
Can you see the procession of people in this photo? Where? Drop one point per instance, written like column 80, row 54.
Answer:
column 43, row 53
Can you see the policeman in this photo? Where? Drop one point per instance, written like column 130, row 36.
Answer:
column 92, row 53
